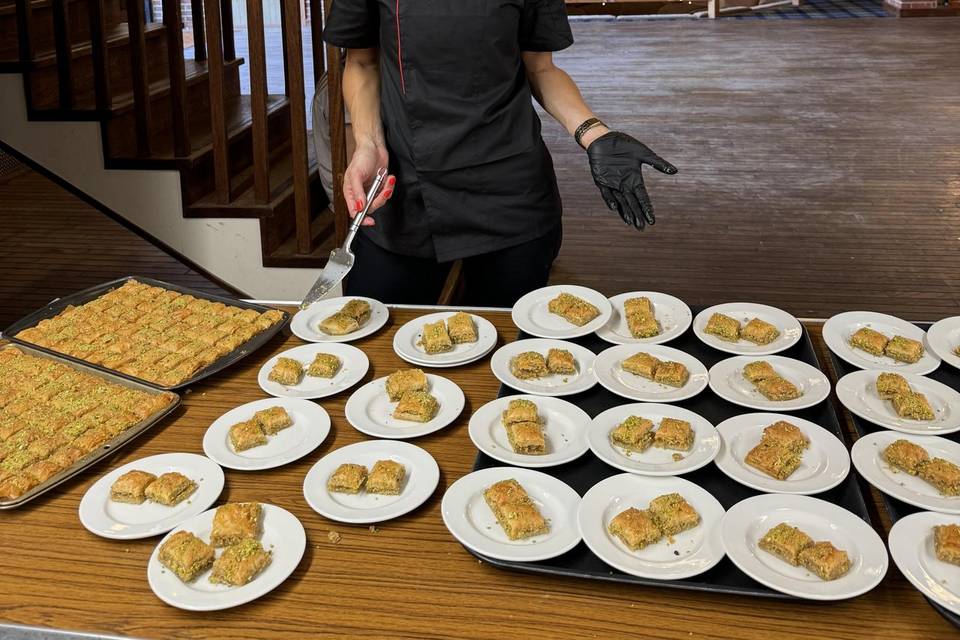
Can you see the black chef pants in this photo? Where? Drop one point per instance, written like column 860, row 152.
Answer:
column 495, row 279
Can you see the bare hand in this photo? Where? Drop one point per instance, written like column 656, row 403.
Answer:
column 367, row 159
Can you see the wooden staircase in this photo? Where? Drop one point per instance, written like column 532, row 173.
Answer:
column 238, row 156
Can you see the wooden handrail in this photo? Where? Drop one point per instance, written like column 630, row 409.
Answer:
column 293, row 72
column 258, row 97
column 173, row 21
column 218, row 119
column 138, row 74
column 98, row 51
column 64, row 53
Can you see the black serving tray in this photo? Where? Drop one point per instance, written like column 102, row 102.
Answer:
column 56, row 306
column 945, row 374
column 588, row 470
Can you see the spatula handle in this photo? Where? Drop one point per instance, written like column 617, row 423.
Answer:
column 373, row 192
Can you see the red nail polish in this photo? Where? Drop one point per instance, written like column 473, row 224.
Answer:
column 358, row 205
column 390, row 181
column 388, row 193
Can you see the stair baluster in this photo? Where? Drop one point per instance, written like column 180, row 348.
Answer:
column 199, row 35
column 178, row 80
column 218, row 122
column 98, row 51
column 258, row 99
column 338, row 138
column 64, row 51
column 136, row 22
column 293, row 72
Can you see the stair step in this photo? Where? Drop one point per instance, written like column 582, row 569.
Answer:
column 286, row 254
column 196, row 72
column 118, row 35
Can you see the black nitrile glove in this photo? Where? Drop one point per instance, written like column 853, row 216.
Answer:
column 615, row 162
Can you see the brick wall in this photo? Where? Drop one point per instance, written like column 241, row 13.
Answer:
column 185, row 12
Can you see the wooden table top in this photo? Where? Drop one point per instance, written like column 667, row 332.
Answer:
column 406, row 578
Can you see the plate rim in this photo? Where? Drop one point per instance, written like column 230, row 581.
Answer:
column 369, row 329
column 605, row 334
column 896, row 544
column 831, row 330
column 606, row 311
column 263, row 371
column 606, row 384
column 350, row 406
column 423, row 362
column 934, row 330
column 504, row 353
column 783, row 406
column 720, row 345
column 845, row 388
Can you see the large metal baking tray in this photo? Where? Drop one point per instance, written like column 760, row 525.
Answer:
column 947, row 375
column 108, row 447
column 586, row 471
column 81, row 297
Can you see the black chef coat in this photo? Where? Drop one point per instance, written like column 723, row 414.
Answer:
column 473, row 174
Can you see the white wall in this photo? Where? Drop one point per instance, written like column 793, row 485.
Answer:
column 226, row 247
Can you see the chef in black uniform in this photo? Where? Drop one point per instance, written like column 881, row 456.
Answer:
column 440, row 92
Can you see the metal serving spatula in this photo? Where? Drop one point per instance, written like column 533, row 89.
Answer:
column 341, row 258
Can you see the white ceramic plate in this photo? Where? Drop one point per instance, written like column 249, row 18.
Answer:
column 747, row 521
column 354, row 365
column 680, row 556
column 824, row 465
column 857, row 391
column 653, row 461
column 471, row 521
column 727, row 381
column 790, row 329
column 531, row 314
column 422, row 476
column 370, row 411
column 943, row 338
column 282, row 534
column 900, row 484
column 672, row 313
column 406, row 342
column 623, row 383
column 310, row 427
column 565, row 428
column 838, row 330
column 912, row 550
column 551, row 385
column 120, row 521
column 306, row 322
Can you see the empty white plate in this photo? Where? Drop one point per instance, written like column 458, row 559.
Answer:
column 532, row 315
column 629, row 385
column 824, row 465
column 406, row 342
column 419, row 483
column 744, row 312
column 727, row 381
column 857, row 391
column 654, row 461
column 943, row 338
column 121, row 521
column 306, row 322
column 370, row 411
column 471, row 521
column 838, row 330
column 867, row 458
column 552, row 384
column 353, row 366
column 310, row 427
column 283, row 535
column 672, row 313
column 912, row 550
column 749, row 520
column 675, row 557
column 564, row 424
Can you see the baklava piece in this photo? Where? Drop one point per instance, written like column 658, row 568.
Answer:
column 786, row 543
column 170, row 489
column 286, row 371
column 946, row 542
column 906, row 456
column 643, row 326
column 16, row 485
column 673, row 514
column 234, row 522
column 404, row 380
column 357, row 309
column 773, row 459
column 673, row 374
column 386, row 478
column 633, row 434
column 324, row 365
column 758, row 370
column 131, row 487
column 635, row 528
column 786, row 435
column 778, row 389
column 528, row 364
column 186, row 555
column 273, row 420
column 339, row 324
column 724, row 327
column 673, row 434
column 869, row 340
column 913, row 405
column 347, row 478
column 904, row 349
column 561, row 361
column 514, row 510
column 462, row 328
column 825, row 560
column 435, row 338
column 639, row 306
column 416, row 406
column 240, row 563
column 520, row 410
column 891, row 384
column 573, row 309
column 527, row 438
column 641, row 364
column 943, row 475
column 759, row 332
column 246, row 435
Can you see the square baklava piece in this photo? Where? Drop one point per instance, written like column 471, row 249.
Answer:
column 905, row 455
column 913, row 405
column 234, row 522
column 131, row 487
column 416, row 406
column 357, row 309
column 573, row 309
column 186, row 555
column 527, row 438
column 758, row 370
column 462, row 328
column 773, row 459
column 641, row 364
column 528, row 365
column 286, row 371
column 786, row 543
column 514, row 510
column 635, row 528
column 674, row 434
column 347, row 478
column 633, row 434
column 946, row 542
column 404, row 380
column 170, row 488
column 435, row 338
column 778, row 389
column 786, row 434
column 825, row 560
column 520, row 410
column 386, row 478
column 339, row 324
column 240, row 563
column 246, row 435
column 324, row 365
column 673, row 374
column 943, row 475
column 273, row 420
column 643, row 326
column 639, row 306
column 561, row 361
column 724, row 327
column 891, row 384
column 759, row 332
column 869, row 340
column 673, row 514
column 904, row 349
